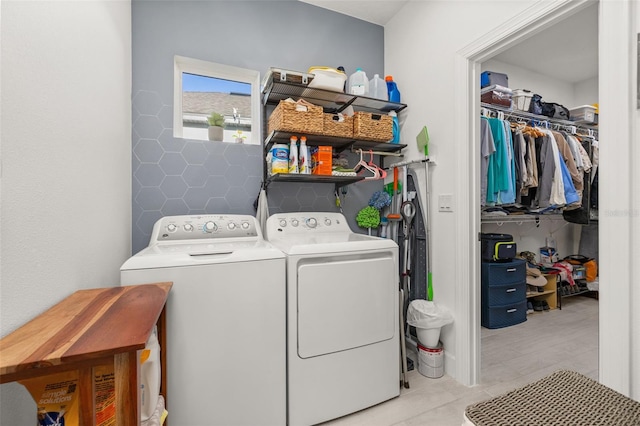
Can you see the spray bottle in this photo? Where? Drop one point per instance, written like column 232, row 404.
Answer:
column 293, row 154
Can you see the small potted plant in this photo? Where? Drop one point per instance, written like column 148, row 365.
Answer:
column 238, row 137
column 216, row 126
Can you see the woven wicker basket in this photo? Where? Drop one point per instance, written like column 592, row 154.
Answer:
column 290, row 76
column 372, row 127
column 287, row 118
column 331, row 126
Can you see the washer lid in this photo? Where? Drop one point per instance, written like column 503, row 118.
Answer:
column 330, row 243
column 201, row 253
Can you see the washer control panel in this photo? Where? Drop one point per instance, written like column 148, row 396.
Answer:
column 176, row 228
column 304, row 223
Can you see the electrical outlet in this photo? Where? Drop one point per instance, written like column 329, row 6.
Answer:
column 445, row 202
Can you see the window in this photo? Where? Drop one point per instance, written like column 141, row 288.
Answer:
column 207, row 93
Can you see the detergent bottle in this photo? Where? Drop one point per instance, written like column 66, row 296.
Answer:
column 378, row 88
column 293, row 154
column 358, row 83
column 392, row 89
column 396, row 127
column 303, row 153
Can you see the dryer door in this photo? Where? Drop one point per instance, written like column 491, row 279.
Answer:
column 345, row 302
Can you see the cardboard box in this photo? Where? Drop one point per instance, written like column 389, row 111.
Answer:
column 321, row 160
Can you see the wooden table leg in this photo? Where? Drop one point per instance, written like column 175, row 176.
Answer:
column 86, row 403
column 127, row 377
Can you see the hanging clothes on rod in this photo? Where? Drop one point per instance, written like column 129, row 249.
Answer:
column 531, row 164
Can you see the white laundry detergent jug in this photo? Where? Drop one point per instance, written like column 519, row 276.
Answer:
column 150, row 376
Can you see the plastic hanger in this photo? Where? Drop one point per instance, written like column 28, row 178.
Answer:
column 381, row 172
column 364, row 165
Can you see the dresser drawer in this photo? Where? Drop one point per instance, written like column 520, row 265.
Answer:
column 504, row 315
column 504, row 294
column 500, row 273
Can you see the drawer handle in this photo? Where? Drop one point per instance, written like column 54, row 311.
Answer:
column 511, row 270
column 511, row 290
column 510, row 311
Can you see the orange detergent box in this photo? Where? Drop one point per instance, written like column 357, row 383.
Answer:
column 321, row 160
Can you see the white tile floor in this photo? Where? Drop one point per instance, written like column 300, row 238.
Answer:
column 511, row 357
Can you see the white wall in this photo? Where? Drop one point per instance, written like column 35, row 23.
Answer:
column 635, row 296
column 586, row 92
column 66, row 159
column 421, row 42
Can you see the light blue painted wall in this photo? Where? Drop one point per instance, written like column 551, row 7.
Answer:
column 177, row 176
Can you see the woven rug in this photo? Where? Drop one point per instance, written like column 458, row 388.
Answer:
column 560, row 399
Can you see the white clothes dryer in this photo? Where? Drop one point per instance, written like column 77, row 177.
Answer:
column 342, row 316
column 225, row 322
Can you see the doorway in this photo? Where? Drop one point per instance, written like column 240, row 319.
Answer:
column 615, row 124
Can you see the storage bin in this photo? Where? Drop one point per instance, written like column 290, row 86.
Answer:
column 496, row 274
column 296, row 117
column 328, row 79
column 504, row 294
column 280, row 75
column 372, row 127
column 504, row 315
column 497, row 247
column 521, row 99
column 490, row 78
column 497, row 95
column 583, row 114
column 339, row 125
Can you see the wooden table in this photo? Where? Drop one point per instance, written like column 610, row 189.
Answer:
column 90, row 328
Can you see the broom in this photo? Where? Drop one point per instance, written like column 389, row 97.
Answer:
column 422, row 141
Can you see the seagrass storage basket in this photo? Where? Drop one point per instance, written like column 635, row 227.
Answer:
column 372, row 127
column 287, row 117
column 337, row 125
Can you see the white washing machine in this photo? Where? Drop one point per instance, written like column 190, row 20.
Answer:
column 342, row 316
column 226, row 323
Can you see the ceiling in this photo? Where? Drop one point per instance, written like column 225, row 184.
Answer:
column 567, row 51
column 569, row 45
column 374, row 11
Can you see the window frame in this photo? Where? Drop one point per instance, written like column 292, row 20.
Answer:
column 183, row 64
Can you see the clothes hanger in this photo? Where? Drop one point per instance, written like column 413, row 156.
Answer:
column 381, row 172
column 364, row 165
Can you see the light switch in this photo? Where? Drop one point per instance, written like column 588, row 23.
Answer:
column 445, row 202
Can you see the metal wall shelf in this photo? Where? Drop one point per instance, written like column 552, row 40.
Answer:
column 276, row 91
column 337, row 180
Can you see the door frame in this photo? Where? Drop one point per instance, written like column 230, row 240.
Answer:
column 615, row 124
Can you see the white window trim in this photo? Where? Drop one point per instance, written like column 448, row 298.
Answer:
column 183, row 64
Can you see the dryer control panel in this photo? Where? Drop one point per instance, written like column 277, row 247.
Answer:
column 201, row 227
column 305, row 223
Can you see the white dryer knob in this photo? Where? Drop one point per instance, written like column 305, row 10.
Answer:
column 295, row 222
column 312, row 222
column 283, row 223
column 188, row 227
column 210, row 227
column 171, row 227
column 245, row 225
column 327, row 222
column 231, row 225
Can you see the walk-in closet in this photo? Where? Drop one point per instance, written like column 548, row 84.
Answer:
column 544, row 197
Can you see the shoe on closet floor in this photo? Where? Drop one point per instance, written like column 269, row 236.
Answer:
column 537, row 306
column 529, row 307
column 545, row 305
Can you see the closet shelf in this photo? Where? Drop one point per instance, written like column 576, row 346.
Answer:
column 530, row 116
column 521, row 218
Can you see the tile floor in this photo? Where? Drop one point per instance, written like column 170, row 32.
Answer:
column 511, row 357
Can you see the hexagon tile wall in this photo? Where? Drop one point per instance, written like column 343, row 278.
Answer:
column 173, row 176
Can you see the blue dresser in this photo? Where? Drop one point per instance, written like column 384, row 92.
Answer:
column 504, row 293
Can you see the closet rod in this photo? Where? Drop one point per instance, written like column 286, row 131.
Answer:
column 530, row 116
column 368, row 151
